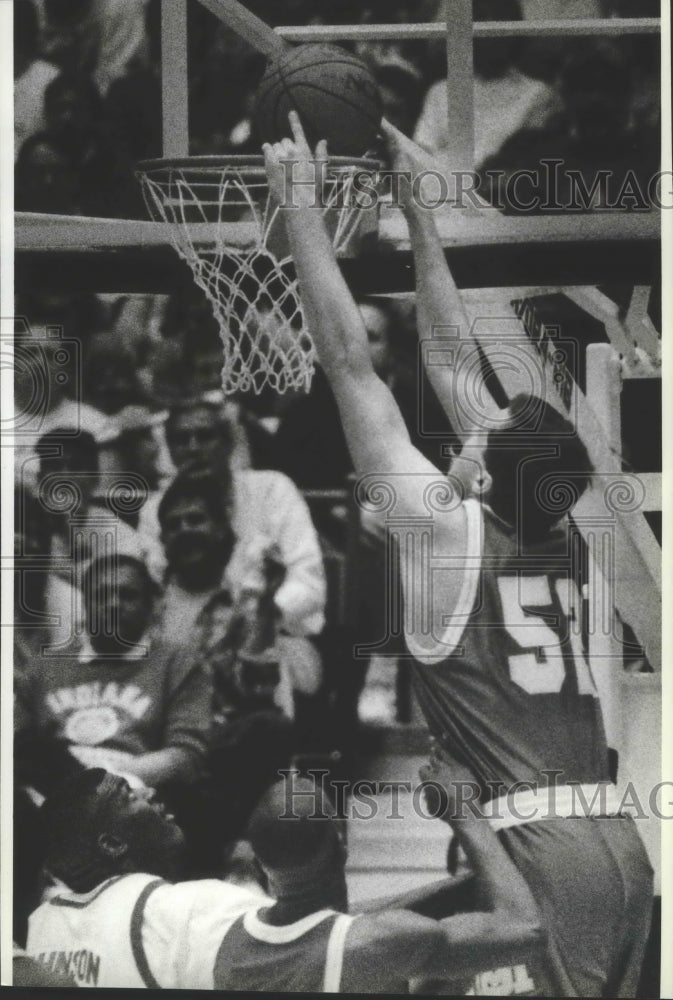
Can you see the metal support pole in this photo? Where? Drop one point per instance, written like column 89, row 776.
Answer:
column 174, row 88
column 460, row 83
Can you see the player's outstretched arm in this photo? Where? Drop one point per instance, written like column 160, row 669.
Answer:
column 377, row 436
column 372, row 423
column 389, row 948
column 509, row 927
column 459, row 386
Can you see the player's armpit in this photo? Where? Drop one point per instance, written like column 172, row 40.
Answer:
column 485, row 940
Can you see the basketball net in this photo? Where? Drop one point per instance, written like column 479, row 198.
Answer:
column 245, row 269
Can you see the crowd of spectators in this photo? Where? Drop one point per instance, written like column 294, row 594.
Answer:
column 88, row 93
column 180, row 557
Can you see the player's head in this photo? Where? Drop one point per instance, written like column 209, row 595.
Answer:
column 198, row 431
column 96, row 827
column 296, row 836
column 531, row 471
column 118, row 598
column 196, row 528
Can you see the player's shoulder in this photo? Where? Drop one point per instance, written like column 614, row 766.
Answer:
column 205, row 896
column 188, row 921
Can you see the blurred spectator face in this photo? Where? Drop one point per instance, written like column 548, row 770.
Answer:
column 118, row 604
column 72, row 107
column 111, row 381
column 195, row 544
column 207, row 369
column 197, row 435
column 141, row 450
column 377, row 327
column 46, row 180
column 257, row 682
column 41, row 379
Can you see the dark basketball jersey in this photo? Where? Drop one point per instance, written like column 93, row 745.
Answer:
column 512, row 694
column 303, row 957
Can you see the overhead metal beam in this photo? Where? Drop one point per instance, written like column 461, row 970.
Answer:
column 482, row 29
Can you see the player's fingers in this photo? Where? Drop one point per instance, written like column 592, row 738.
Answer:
column 389, row 131
column 321, row 150
column 298, row 132
column 287, row 149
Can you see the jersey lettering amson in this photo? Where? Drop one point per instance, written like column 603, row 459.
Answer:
column 138, row 931
column 304, row 957
column 506, row 686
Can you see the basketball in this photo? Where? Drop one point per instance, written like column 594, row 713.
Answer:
column 334, row 93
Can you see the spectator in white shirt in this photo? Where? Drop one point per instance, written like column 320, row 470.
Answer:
column 266, row 508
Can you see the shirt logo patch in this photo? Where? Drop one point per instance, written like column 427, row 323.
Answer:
column 93, row 713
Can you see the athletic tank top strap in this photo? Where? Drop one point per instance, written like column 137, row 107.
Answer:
column 305, row 956
column 282, row 934
column 137, row 934
column 335, row 954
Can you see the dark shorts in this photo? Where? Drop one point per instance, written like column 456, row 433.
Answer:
column 592, row 881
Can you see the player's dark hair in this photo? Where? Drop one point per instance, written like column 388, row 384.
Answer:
column 539, row 466
column 196, row 482
column 292, row 825
column 69, row 820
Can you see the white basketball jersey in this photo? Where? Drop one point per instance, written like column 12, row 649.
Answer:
column 96, row 937
column 137, row 930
